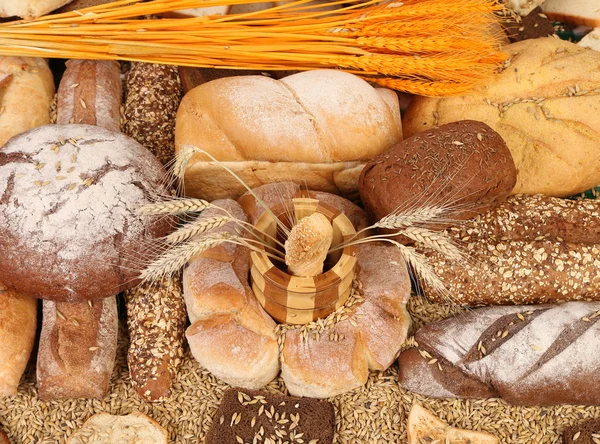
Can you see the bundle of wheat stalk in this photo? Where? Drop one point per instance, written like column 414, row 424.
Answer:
column 427, row 47
column 185, row 243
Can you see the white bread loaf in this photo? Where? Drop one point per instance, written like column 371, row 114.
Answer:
column 578, row 12
column 231, row 335
column 316, row 128
column 24, row 77
column 29, row 9
column 18, row 324
column 545, row 105
column 591, row 40
column 135, row 428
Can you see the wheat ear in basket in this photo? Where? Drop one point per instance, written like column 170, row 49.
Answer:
column 426, row 47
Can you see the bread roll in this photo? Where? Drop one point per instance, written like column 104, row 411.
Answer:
column 77, row 350
column 591, row 40
column 463, row 168
column 545, row 106
column 18, row 324
column 135, row 428
column 231, row 335
column 23, row 77
column 90, row 93
column 316, row 128
column 29, row 9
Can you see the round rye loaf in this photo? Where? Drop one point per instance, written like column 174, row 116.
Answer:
column 463, row 168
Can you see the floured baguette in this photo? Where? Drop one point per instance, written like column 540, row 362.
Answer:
column 307, row 245
column 425, row 427
column 135, row 428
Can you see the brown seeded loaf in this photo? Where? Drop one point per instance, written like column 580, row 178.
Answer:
column 156, row 321
column 90, row 93
column 152, row 95
column 18, row 324
column 585, row 433
column 527, row 355
column 264, row 415
column 462, row 167
column 24, row 77
column 316, row 128
column 545, row 105
column 77, row 350
column 529, row 250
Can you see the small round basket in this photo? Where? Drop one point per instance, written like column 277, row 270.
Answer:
column 300, row 300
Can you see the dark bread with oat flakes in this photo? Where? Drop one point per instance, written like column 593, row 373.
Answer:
column 464, row 164
column 152, row 96
column 527, row 355
column 279, row 417
column 585, row 433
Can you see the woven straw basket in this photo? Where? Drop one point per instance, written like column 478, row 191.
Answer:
column 300, row 300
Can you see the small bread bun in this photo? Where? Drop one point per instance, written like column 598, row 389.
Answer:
column 307, row 245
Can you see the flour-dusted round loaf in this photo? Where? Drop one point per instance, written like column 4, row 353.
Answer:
column 69, row 223
column 316, row 128
column 463, row 167
column 546, row 106
column 29, row 9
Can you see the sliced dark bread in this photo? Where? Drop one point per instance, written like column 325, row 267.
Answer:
column 247, row 416
column 584, row 433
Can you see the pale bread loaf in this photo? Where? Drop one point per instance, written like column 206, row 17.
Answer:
column 24, row 77
column 579, row 12
column 135, row 428
column 18, row 324
column 77, row 350
column 522, row 7
column 316, row 128
column 29, row 9
column 545, row 105
column 425, row 427
column 307, row 245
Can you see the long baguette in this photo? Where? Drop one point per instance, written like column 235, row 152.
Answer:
column 528, row 355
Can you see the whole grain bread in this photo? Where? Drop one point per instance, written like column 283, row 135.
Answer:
column 245, row 414
column 463, row 167
column 585, row 433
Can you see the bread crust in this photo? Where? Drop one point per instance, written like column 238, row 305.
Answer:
column 29, row 9
column 18, row 325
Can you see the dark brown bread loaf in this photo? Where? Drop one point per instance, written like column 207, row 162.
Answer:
column 90, row 93
column 531, row 26
column 464, row 167
column 528, row 355
column 152, row 96
column 245, row 414
column 70, row 229
column 586, row 433
column 77, row 350
column 530, row 249
column 156, row 319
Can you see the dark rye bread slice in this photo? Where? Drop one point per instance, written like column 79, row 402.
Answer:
column 585, row 433
column 247, row 416
column 532, row 26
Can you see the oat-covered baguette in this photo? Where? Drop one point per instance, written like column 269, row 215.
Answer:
column 90, row 93
column 531, row 249
column 152, row 96
column 77, row 351
column 528, row 355
column 156, row 321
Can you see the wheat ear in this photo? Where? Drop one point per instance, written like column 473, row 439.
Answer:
column 176, row 258
column 419, row 264
column 413, row 217
column 434, row 240
column 192, row 229
column 184, row 155
column 175, row 206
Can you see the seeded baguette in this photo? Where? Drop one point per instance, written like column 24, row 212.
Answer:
column 529, row 250
column 90, row 93
column 77, row 350
column 152, row 96
column 156, row 321
column 528, row 355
